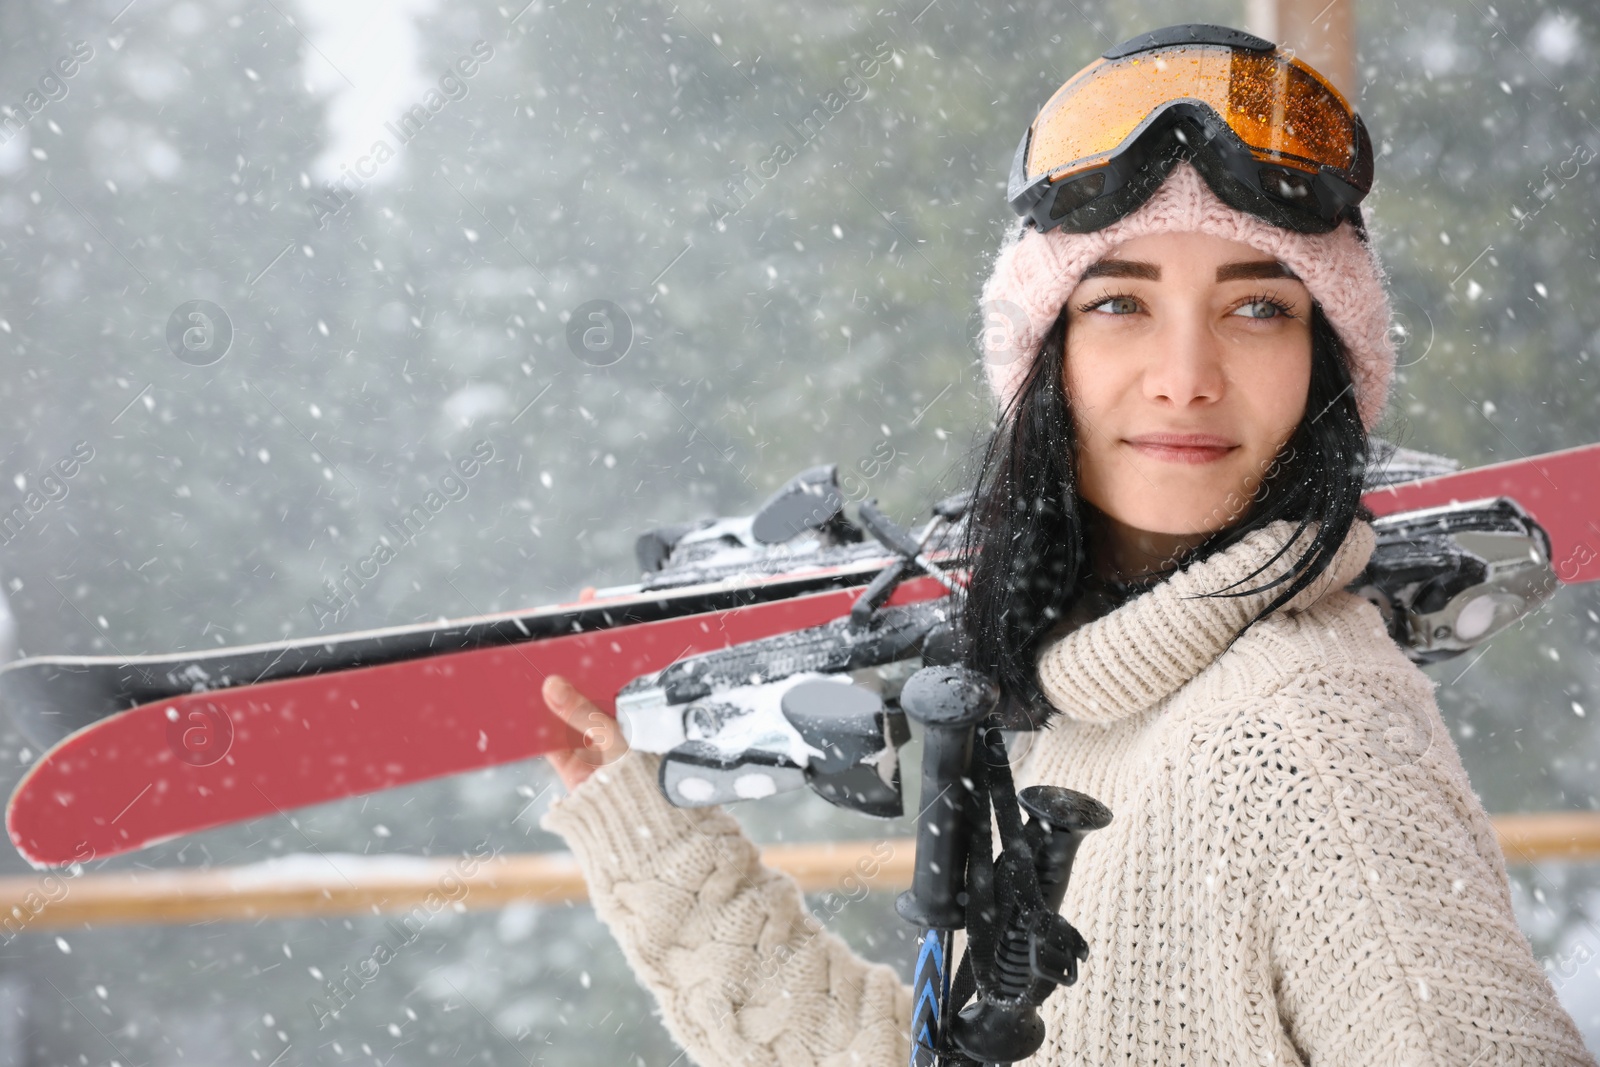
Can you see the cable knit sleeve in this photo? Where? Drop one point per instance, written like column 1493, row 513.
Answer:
column 1393, row 936
column 742, row 972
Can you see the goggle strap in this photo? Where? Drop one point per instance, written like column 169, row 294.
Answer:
column 1189, row 33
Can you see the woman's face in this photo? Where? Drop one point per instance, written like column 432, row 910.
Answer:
column 1188, row 358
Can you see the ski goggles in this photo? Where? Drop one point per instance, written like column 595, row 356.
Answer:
column 1270, row 135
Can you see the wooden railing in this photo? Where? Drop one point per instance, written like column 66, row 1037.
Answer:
column 345, row 884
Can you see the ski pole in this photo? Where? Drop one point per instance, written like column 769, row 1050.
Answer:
column 1036, row 949
column 949, row 702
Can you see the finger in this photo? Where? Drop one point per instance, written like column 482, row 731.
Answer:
column 603, row 740
column 587, row 594
column 598, row 739
column 569, row 705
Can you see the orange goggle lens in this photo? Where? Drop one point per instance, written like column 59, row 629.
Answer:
column 1277, row 106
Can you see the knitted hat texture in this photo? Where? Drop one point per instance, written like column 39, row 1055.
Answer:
column 1035, row 272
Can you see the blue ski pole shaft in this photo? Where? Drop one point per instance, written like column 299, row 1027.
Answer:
column 930, row 995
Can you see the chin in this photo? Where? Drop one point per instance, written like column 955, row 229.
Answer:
column 1175, row 512
column 1176, row 501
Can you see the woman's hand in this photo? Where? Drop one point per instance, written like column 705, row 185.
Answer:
column 602, row 739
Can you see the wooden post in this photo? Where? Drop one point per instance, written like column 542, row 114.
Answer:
column 1321, row 32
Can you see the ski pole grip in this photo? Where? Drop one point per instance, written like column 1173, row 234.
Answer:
column 1059, row 818
column 949, row 702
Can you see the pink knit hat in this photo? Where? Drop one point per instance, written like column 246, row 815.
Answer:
column 1035, row 272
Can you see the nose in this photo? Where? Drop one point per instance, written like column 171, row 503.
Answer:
column 1186, row 365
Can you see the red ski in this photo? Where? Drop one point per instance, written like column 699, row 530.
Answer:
column 199, row 760
column 276, row 727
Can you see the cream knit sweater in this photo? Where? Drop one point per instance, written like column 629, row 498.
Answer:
column 1297, row 870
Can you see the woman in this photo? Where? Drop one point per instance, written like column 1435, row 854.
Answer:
column 1297, row 870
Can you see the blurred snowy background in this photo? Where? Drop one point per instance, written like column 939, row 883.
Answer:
column 373, row 313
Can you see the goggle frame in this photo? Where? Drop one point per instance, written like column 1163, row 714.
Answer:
column 1282, row 191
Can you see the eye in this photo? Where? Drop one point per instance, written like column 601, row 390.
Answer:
column 1264, row 307
column 1116, row 304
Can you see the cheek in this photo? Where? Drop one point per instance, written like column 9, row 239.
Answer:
column 1277, row 390
column 1093, row 382
column 1088, row 399
column 1084, row 413
column 1098, row 390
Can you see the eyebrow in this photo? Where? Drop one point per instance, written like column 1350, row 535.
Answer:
column 1128, row 268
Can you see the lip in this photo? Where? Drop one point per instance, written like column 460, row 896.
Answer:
column 1182, row 447
column 1182, row 440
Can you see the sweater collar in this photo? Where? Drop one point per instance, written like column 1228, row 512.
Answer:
column 1138, row 655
